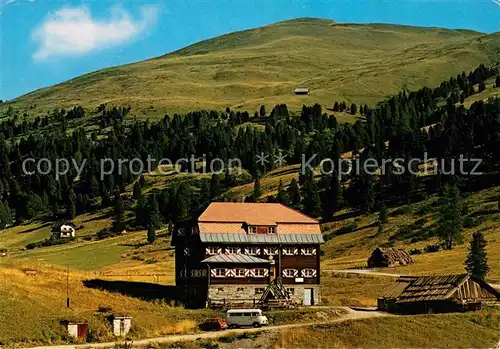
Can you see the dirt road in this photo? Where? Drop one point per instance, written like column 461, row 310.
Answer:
column 351, row 315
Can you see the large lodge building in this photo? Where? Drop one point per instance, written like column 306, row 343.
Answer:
column 246, row 252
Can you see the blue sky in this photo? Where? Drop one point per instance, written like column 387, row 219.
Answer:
column 44, row 42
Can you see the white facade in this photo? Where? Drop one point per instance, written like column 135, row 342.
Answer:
column 67, row 231
column 121, row 325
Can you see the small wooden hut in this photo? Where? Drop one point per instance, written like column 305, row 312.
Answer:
column 389, row 257
column 437, row 294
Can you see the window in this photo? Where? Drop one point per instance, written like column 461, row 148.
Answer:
column 253, row 251
column 290, row 251
column 290, row 273
column 271, row 251
column 308, row 273
column 240, row 273
column 261, row 229
column 233, row 250
column 213, row 250
column 291, row 291
column 259, row 273
column 219, row 272
column 308, row 251
column 259, row 290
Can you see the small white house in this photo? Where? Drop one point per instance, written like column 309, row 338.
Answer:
column 121, row 325
column 67, row 231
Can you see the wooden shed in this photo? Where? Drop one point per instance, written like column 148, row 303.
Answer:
column 437, row 294
column 389, row 257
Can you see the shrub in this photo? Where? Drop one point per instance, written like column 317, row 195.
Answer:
column 432, row 248
column 348, row 228
column 471, row 222
column 415, row 251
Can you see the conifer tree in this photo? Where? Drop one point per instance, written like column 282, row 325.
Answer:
column 354, row 109
column 137, row 191
column 312, row 200
column 118, row 211
column 477, row 259
column 153, row 212
column 294, row 193
column 497, row 81
column 151, row 234
column 450, row 217
column 215, row 186
column 262, row 111
column 256, row 189
column 281, row 197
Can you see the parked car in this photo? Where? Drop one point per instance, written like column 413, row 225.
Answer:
column 215, row 324
column 245, row 317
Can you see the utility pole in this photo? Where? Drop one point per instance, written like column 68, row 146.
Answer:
column 67, row 288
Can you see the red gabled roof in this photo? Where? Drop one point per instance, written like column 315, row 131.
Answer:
column 253, row 213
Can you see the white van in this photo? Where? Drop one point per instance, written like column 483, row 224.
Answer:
column 245, row 317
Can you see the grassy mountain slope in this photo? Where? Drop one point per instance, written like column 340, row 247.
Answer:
column 352, row 62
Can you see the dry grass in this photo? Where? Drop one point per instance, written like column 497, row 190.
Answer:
column 243, row 70
column 473, row 330
column 33, row 306
column 352, row 290
column 353, row 249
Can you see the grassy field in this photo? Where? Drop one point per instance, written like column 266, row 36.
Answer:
column 473, row 330
column 352, row 250
column 361, row 63
column 33, row 306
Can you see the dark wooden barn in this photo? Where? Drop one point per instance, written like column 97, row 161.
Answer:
column 437, row 294
column 389, row 257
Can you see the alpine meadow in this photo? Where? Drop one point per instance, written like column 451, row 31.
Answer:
column 302, row 184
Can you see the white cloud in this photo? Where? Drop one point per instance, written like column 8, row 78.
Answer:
column 73, row 31
column 497, row 2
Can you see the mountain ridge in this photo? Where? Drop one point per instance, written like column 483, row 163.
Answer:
column 360, row 63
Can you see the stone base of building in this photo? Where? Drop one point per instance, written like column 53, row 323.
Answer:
column 227, row 294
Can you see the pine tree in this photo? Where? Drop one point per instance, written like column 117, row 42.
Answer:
column 497, row 81
column 256, row 189
column 281, row 197
column 450, row 217
column 142, row 181
column 383, row 214
column 151, row 234
column 294, row 193
column 336, row 106
column 482, row 86
column 141, row 212
column 312, row 200
column 262, row 111
column 153, row 212
column 137, row 191
column 215, row 186
column 477, row 259
column 354, row 109
column 118, row 211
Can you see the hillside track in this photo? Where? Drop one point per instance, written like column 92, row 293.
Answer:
column 351, row 315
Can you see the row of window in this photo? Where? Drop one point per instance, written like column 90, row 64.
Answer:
column 260, row 273
column 255, row 251
column 258, row 290
column 255, row 229
column 239, row 272
column 293, row 273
